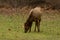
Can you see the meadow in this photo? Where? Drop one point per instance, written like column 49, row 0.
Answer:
column 12, row 27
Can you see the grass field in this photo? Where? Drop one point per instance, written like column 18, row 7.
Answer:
column 11, row 28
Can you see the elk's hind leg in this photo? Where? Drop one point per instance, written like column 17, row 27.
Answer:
column 35, row 28
column 38, row 25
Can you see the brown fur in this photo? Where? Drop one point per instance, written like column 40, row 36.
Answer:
column 35, row 16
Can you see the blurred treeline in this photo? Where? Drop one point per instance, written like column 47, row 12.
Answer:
column 18, row 3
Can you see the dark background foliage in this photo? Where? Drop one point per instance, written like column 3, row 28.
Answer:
column 17, row 3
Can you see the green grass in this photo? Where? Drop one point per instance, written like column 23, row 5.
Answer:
column 12, row 28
